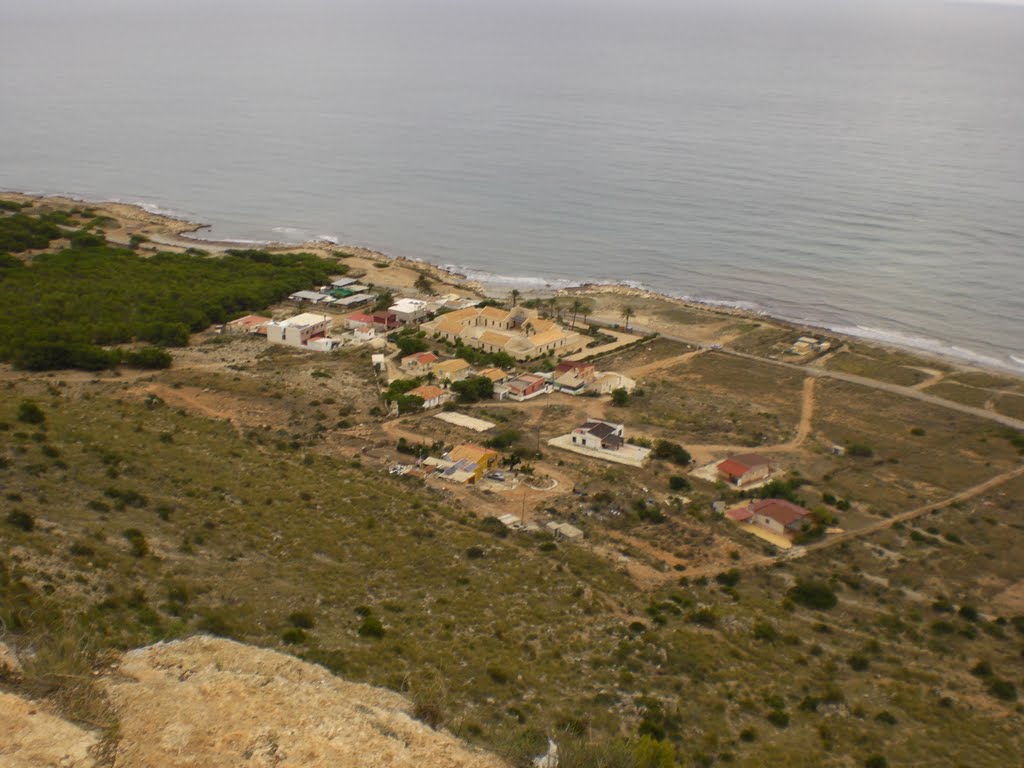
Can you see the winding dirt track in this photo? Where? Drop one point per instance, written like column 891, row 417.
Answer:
column 831, row 541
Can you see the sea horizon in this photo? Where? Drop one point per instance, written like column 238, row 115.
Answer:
column 858, row 168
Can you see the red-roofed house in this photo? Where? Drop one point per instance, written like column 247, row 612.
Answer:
column 419, row 361
column 744, row 469
column 432, row 396
column 359, row 320
column 778, row 515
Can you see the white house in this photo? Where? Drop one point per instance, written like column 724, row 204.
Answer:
column 599, row 435
column 409, row 310
column 298, row 331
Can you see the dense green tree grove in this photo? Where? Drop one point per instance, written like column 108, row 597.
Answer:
column 62, row 309
column 20, row 232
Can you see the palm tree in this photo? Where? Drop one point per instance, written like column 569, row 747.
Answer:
column 552, row 302
column 626, row 313
column 515, row 297
column 585, row 309
column 576, row 307
column 423, row 284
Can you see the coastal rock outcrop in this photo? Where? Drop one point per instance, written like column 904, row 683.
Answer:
column 214, row 702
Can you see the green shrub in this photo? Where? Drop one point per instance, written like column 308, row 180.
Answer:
column 474, row 389
column 678, row 483
column 968, row 612
column 371, row 627
column 858, row 662
column 671, row 452
column 213, row 623
column 982, row 669
column 498, row 675
column 21, row 519
column 779, row 718
column 729, row 578
column 301, row 619
column 137, row 540
column 814, row 595
column 30, row 413
column 765, row 630
column 1003, row 689
column 293, row 636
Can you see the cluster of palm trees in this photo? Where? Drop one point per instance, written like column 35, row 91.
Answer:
column 578, row 307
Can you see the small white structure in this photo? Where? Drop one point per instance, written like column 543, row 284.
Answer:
column 597, row 435
column 300, row 331
column 409, row 310
column 602, row 440
column 364, row 334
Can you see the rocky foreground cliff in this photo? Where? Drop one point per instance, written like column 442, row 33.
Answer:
column 213, row 702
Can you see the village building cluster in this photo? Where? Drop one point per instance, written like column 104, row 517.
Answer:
column 451, row 322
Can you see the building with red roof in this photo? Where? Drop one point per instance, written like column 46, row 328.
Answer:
column 778, row 515
column 744, row 469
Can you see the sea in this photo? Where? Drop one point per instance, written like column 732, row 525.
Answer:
column 852, row 164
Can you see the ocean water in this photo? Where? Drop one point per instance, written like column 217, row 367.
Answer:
column 852, row 164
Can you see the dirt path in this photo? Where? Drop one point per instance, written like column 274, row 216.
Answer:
column 934, row 377
column 895, row 389
column 881, row 525
column 803, row 429
column 213, row 405
column 660, row 365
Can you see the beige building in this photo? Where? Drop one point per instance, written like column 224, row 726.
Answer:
column 452, row 370
column 518, row 332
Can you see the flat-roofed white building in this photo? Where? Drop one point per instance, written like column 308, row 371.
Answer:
column 299, row 330
column 409, row 310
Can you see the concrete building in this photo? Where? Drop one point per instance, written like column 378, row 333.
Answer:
column 409, row 310
column 300, row 331
column 599, row 435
